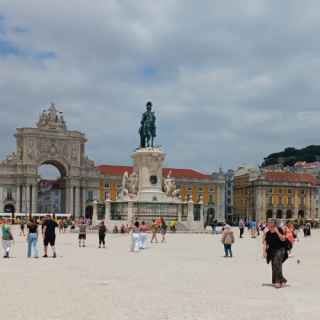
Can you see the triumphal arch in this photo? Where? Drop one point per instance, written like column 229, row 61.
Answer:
column 50, row 142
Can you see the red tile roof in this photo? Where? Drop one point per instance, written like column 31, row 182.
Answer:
column 110, row 170
column 277, row 176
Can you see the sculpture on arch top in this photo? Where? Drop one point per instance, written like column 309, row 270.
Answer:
column 51, row 119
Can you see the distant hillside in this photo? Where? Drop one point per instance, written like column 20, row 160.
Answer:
column 290, row 156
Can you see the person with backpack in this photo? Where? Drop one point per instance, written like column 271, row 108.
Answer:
column 227, row 240
column 7, row 238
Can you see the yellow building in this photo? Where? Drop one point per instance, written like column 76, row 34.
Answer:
column 192, row 184
column 268, row 194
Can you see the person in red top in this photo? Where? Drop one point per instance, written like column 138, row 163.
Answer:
column 143, row 235
column 158, row 222
column 288, row 232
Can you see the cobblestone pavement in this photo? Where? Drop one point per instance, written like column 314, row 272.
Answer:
column 185, row 278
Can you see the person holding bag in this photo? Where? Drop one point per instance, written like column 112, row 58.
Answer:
column 227, row 240
column 275, row 250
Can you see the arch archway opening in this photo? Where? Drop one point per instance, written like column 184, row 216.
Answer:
column 269, row 214
column 301, row 214
column 279, row 214
column 89, row 212
column 289, row 214
column 210, row 217
column 51, row 188
column 9, row 208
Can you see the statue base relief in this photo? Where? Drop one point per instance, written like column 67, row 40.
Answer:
column 147, row 163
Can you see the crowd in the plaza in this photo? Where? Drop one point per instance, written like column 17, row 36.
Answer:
column 278, row 238
column 46, row 227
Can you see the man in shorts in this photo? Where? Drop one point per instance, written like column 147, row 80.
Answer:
column 49, row 235
column 82, row 233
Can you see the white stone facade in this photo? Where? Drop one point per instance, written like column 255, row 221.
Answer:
column 48, row 143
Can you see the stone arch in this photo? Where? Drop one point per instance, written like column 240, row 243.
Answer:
column 89, row 212
column 211, row 213
column 289, row 214
column 269, row 214
column 301, row 214
column 50, row 142
column 279, row 214
column 61, row 165
column 9, row 208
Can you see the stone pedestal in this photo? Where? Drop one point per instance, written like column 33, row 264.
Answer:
column 147, row 163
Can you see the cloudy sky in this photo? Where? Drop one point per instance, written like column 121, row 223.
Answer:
column 231, row 81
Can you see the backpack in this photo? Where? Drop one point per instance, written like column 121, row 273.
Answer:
column 228, row 239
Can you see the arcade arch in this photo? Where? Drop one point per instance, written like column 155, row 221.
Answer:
column 51, row 188
column 49, row 143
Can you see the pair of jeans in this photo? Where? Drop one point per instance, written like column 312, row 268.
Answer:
column 227, row 250
column 33, row 244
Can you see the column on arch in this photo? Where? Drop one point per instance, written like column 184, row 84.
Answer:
column 34, row 208
column 18, row 199
column 77, row 212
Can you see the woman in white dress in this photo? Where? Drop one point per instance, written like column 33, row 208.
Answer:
column 135, row 237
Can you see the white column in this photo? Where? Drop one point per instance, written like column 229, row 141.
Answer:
column 18, row 199
column 107, row 216
column 95, row 213
column 201, row 212
column 179, row 212
column 34, row 208
column 130, row 211
column 77, row 202
column 27, row 190
column 190, row 211
column 83, row 202
column 71, row 210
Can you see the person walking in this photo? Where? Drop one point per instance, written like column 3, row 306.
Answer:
column 143, row 235
column 241, row 227
column 32, row 238
column 154, row 230
column 253, row 228
column 173, row 225
column 163, row 229
column 227, row 240
column 82, row 233
column 135, row 237
column 275, row 250
column 49, row 235
column 22, row 226
column 102, row 234
column 7, row 238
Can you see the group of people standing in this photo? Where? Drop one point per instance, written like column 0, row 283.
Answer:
column 278, row 240
column 48, row 233
column 139, row 233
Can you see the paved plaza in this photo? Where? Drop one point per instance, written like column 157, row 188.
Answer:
column 185, row 278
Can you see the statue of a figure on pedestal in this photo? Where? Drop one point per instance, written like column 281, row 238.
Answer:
column 147, row 130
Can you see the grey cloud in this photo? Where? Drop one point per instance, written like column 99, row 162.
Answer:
column 231, row 81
